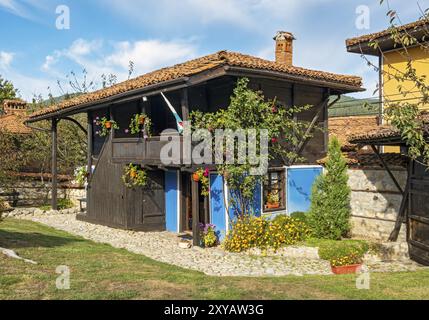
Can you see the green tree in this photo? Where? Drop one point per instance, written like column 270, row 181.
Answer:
column 7, row 90
column 249, row 110
column 329, row 215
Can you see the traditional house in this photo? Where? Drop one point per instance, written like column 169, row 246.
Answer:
column 413, row 214
column 172, row 201
column 393, row 61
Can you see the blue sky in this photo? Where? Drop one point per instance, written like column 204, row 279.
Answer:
column 105, row 35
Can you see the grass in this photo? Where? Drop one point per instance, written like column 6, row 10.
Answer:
column 101, row 272
column 62, row 205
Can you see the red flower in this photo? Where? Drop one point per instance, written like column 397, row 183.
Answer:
column 274, row 110
column 206, row 172
column 274, row 140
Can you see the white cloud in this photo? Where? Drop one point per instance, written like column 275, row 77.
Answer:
column 149, row 55
column 6, row 59
column 99, row 57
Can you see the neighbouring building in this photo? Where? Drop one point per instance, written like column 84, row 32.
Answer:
column 173, row 201
column 12, row 117
column 393, row 60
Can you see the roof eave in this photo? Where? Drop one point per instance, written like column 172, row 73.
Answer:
column 341, row 87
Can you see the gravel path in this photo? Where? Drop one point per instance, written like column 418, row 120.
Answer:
column 164, row 247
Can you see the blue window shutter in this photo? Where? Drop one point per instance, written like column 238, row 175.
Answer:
column 299, row 185
column 171, row 200
column 217, row 205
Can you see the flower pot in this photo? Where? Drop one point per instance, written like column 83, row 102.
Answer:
column 273, row 205
column 142, row 120
column 133, row 174
column 196, row 177
column 108, row 125
column 352, row 269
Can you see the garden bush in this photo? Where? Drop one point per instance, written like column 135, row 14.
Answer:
column 341, row 253
column 300, row 216
column 256, row 232
column 329, row 216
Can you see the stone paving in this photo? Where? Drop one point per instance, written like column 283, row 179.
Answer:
column 164, row 247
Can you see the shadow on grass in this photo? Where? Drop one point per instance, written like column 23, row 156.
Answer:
column 16, row 240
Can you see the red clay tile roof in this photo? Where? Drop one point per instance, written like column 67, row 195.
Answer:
column 371, row 160
column 345, row 127
column 382, row 132
column 13, row 123
column 193, row 67
column 385, row 33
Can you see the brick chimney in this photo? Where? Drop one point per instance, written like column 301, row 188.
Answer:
column 17, row 107
column 284, row 47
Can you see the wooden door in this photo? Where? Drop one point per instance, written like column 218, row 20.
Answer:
column 153, row 203
column 418, row 217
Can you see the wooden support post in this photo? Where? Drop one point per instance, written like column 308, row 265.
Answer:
column 195, row 214
column 90, row 144
column 54, row 137
column 387, row 169
column 185, row 104
column 206, row 210
column 403, row 209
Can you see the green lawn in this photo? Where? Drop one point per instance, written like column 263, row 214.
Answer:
column 102, row 272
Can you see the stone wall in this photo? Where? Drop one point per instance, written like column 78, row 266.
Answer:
column 375, row 203
column 35, row 193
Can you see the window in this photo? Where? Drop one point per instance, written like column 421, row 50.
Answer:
column 274, row 190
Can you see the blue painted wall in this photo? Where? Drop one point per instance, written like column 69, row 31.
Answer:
column 217, row 205
column 299, row 184
column 171, row 200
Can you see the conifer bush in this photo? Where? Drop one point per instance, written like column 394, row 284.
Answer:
column 329, row 216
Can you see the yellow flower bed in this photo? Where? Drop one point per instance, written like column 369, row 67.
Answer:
column 257, row 232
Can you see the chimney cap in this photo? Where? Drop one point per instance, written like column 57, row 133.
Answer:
column 284, row 35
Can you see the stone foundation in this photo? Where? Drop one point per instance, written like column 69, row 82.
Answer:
column 36, row 193
column 375, row 203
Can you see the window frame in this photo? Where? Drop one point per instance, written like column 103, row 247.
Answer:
column 267, row 187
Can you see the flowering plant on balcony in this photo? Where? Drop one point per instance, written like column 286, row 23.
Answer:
column 141, row 123
column 202, row 176
column 106, row 125
column 134, row 176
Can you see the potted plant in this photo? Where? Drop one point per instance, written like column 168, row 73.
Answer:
column 202, row 176
column 134, row 176
column 273, row 200
column 209, row 237
column 141, row 123
column 106, row 126
column 348, row 264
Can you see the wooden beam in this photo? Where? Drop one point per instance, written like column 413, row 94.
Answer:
column 195, row 214
column 54, row 138
column 90, row 143
column 184, row 101
column 387, row 169
column 320, row 108
column 206, row 210
column 403, row 209
column 76, row 123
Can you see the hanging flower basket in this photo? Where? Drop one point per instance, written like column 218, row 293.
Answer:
column 141, row 123
column 196, row 177
column 134, row 176
column 273, row 201
column 202, row 176
column 105, row 125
